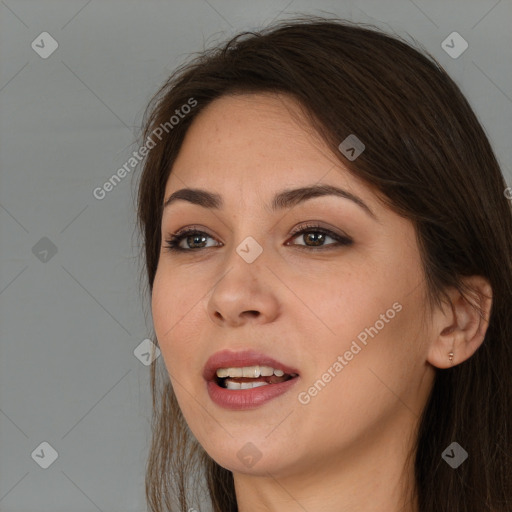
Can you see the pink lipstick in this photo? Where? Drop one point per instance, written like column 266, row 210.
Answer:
column 246, row 379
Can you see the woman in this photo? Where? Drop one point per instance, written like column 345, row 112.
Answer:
column 328, row 251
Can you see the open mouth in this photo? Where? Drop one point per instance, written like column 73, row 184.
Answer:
column 248, row 377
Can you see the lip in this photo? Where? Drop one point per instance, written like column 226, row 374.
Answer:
column 244, row 398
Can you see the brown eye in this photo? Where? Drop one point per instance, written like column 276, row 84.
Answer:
column 191, row 237
column 315, row 236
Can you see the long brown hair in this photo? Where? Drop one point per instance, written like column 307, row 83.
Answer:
column 428, row 156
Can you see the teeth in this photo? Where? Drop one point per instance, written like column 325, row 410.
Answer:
column 252, row 372
column 266, row 371
column 244, row 385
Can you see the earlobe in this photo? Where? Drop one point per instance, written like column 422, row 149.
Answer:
column 459, row 328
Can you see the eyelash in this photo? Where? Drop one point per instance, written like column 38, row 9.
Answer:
column 174, row 240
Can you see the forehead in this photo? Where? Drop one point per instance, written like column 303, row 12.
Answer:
column 255, row 141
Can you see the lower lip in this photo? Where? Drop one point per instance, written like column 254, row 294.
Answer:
column 247, row 398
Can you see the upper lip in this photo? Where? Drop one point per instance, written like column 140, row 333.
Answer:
column 230, row 359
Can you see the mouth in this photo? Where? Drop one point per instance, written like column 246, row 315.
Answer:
column 247, row 379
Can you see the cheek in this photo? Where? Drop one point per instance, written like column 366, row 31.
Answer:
column 173, row 318
column 162, row 307
column 369, row 359
column 176, row 322
column 363, row 395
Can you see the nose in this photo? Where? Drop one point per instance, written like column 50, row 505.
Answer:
column 244, row 293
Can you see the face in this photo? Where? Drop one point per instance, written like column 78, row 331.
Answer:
column 338, row 303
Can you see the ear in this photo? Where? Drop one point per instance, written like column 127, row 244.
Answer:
column 460, row 326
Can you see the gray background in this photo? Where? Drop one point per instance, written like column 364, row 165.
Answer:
column 71, row 321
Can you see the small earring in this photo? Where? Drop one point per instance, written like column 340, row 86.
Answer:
column 450, row 356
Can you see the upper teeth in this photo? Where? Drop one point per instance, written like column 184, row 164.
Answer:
column 249, row 371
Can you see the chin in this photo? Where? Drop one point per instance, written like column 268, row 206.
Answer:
column 251, row 455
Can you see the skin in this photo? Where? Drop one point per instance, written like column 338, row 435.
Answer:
column 346, row 449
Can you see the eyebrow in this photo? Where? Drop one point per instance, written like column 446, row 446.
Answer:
column 284, row 199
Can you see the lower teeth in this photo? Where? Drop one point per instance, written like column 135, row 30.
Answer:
column 244, row 385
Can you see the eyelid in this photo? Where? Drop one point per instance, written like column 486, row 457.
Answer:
column 341, row 239
column 312, row 224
